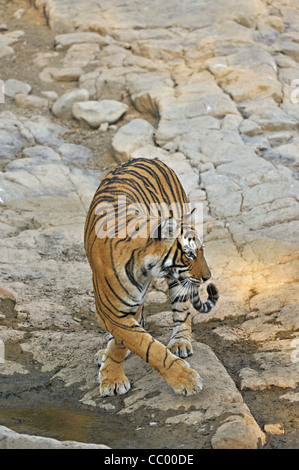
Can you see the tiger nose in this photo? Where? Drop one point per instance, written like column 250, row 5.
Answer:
column 204, row 279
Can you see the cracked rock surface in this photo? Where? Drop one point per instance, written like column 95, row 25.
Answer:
column 210, row 89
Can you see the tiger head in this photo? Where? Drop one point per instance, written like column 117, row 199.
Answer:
column 180, row 252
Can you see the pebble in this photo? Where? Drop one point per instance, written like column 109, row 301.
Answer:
column 274, row 429
column 14, row 86
column 19, row 13
column 50, row 95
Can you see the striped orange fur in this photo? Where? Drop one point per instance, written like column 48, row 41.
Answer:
column 124, row 263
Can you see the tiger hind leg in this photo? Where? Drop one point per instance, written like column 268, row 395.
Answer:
column 98, row 357
column 180, row 341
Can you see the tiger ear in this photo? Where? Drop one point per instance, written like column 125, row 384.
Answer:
column 187, row 218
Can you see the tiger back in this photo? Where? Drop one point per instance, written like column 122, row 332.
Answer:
column 138, row 228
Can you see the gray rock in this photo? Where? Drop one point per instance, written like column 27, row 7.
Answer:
column 42, row 152
column 13, row 86
column 96, row 113
column 45, row 132
column 72, row 153
column 10, row 143
column 62, row 108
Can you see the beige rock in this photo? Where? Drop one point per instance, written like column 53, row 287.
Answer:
column 130, row 137
column 66, row 74
column 274, row 429
column 64, row 41
column 6, row 51
column 30, row 101
column 236, row 433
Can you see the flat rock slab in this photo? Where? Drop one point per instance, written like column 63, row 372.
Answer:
column 133, row 13
column 64, row 41
column 12, row 440
column 219, row 407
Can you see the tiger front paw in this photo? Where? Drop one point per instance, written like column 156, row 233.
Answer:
column 182, row 379
column 181, row 348
column 109, row 387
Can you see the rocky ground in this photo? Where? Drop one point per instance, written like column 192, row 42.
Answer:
column 211, row 90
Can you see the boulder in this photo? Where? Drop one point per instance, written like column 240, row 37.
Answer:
column 96, row 113
column 62, row 108
column 136, row 134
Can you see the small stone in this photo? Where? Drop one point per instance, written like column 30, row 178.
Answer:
column 5, row 51
column 96, row 113
column 3, row 27
column 62, row 108
column 274, row 429
column 13, row 87
column 51, row 95
column 104, row 126
column 30, row 101
column 19, row 13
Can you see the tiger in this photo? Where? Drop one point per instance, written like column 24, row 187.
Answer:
column 124, row 264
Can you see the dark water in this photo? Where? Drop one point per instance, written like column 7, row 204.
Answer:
column 115, row 431
column 65, row 424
